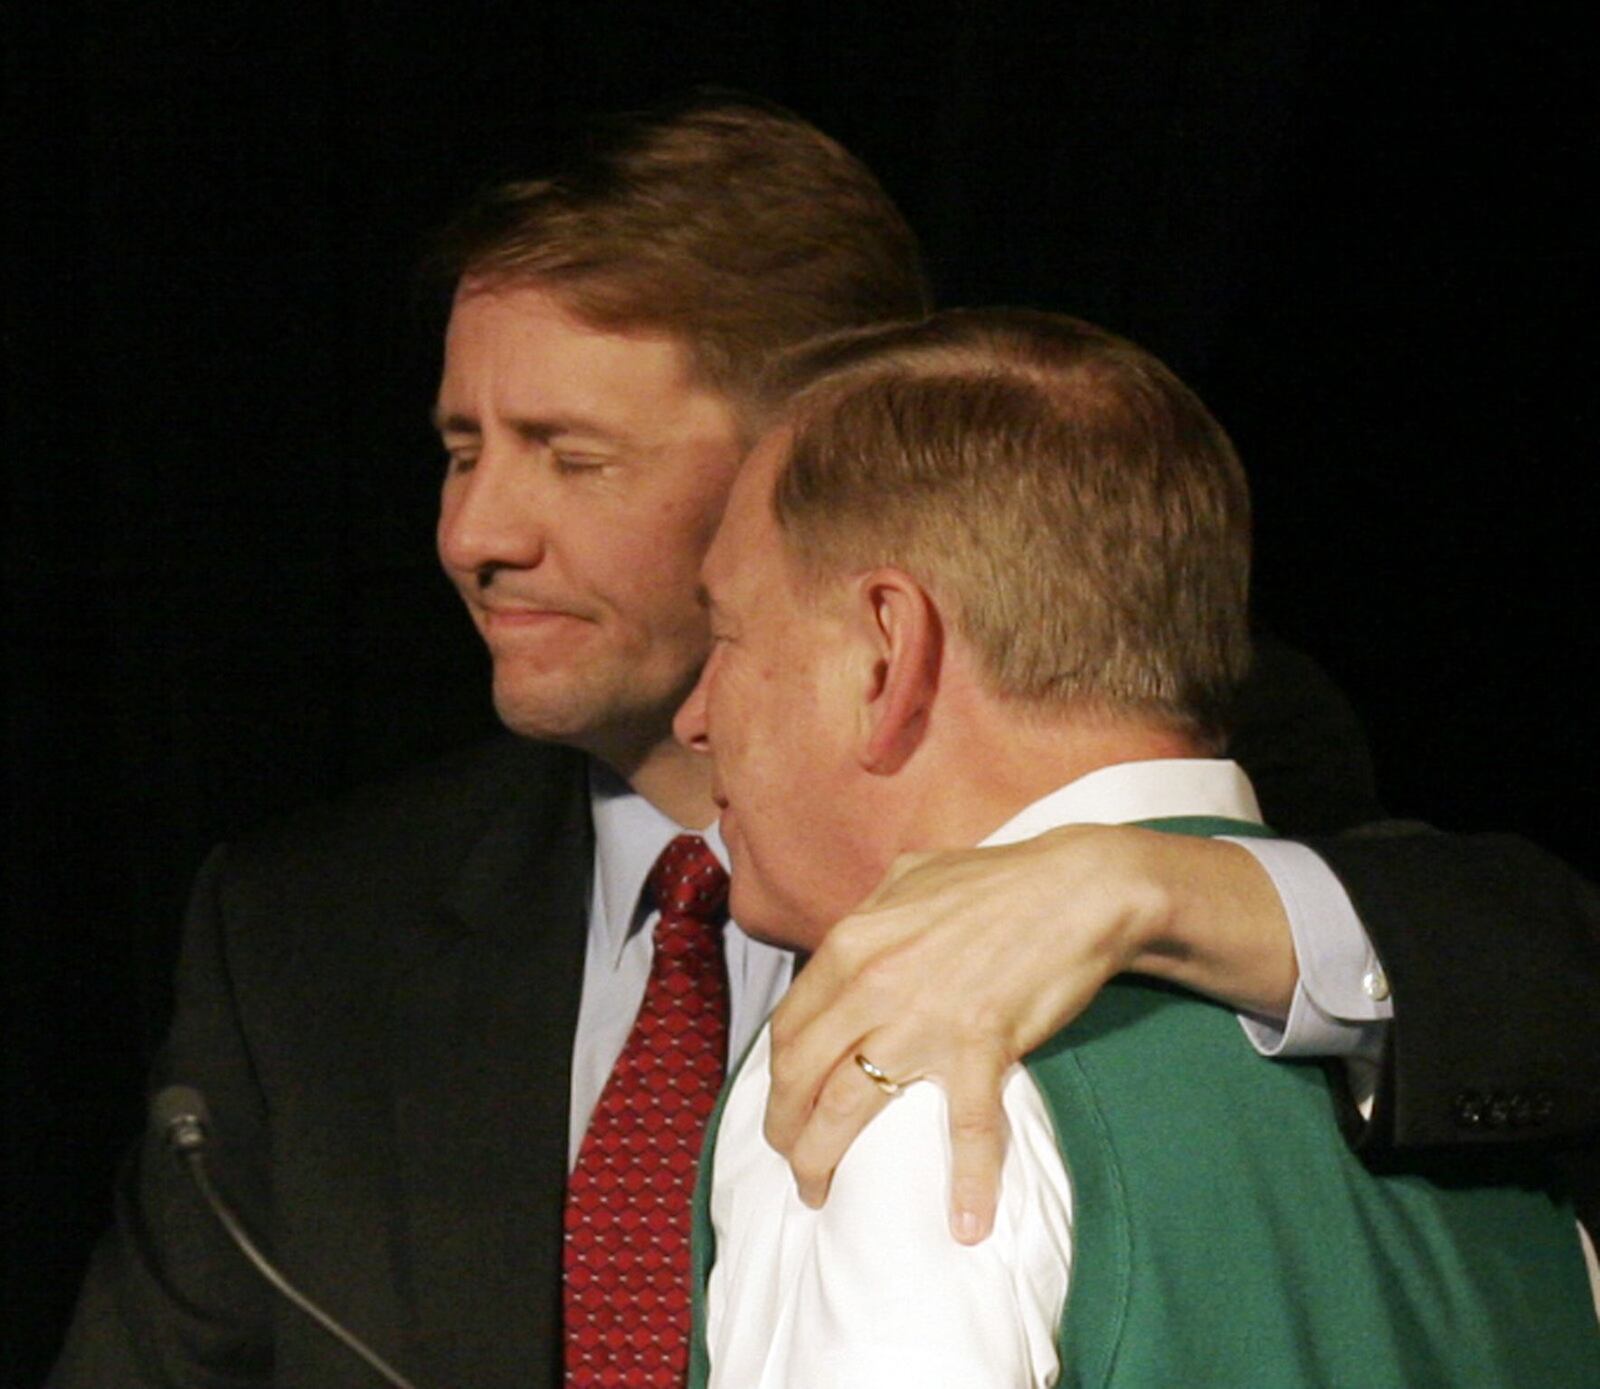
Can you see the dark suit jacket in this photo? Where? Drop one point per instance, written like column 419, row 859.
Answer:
column 1492, row 948
column 379, row 1002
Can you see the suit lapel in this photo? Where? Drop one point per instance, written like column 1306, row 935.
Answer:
column 484, row 1013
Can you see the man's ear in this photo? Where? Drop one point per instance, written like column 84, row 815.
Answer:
column 904, row 645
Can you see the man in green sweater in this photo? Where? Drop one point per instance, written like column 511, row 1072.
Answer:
column 884, row 679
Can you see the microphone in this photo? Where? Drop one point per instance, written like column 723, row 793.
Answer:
column 178, row 1113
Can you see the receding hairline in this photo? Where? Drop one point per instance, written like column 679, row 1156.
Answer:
column 816, row 375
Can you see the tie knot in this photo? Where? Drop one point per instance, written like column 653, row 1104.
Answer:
column 688, row 881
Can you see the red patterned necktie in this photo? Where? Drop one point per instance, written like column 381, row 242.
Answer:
column 626, row 1274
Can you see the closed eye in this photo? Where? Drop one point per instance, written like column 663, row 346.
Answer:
column 568, row 465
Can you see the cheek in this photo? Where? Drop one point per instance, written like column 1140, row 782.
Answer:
column 747, row 741
column 648, row 584
column 655, row 556
column 686, row 517
column 727, row 720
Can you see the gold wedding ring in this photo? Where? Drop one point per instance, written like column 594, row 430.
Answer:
column 877, row 1077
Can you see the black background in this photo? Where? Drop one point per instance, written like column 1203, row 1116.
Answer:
column 1362, row 232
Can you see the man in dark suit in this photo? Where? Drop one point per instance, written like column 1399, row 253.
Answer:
column 403, row 1010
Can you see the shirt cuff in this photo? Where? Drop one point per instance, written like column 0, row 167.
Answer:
column 1341, row 1006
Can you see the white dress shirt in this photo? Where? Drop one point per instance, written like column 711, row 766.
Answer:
column 872, row 1290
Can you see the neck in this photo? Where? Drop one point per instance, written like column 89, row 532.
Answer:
column 993, row 767
column 975, row 769
column 673, row 779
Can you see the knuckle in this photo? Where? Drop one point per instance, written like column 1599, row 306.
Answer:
column 847, row 947
column 841, row 1102
column 978, row 1024
column 788, row 1070
column 880, row 976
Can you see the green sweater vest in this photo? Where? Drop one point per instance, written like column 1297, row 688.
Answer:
column 1225, row 1235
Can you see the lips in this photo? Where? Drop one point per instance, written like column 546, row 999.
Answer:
column 539, row 634
column 510, row 620
column 525, row 617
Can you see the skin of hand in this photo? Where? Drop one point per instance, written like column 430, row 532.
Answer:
column 962, row 962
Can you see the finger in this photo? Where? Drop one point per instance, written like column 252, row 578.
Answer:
column 816, row 986
column 978, row 1133
column 833, row 1003
column 803, row 1067
column 847, row 1103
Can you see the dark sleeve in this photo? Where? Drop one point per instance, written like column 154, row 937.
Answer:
column 1491, row 945
column 168, row 1300
column 1492, row 948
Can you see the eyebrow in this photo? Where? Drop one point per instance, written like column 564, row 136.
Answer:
column 533, row 430
column 452, row 424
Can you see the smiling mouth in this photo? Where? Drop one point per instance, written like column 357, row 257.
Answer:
column 540, row 634
column 525, row 617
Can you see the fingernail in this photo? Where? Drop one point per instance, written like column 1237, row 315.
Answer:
column 966, row 1227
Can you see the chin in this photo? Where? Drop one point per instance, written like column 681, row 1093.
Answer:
column 561, row 707
column 547, row 707
column 760, row 917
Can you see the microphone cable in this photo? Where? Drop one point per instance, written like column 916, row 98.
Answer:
column 179, row 1112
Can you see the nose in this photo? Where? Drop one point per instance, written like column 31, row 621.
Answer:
column 488, row 518
column 690, row 724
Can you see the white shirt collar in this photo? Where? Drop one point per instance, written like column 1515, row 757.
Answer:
column 629, row 835
column 1130, row 791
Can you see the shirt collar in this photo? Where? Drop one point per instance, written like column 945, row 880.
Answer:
column 629, row 835
column 1131, row 791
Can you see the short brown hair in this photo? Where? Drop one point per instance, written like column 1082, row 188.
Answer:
column 739, row 228
column 1074, row 503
